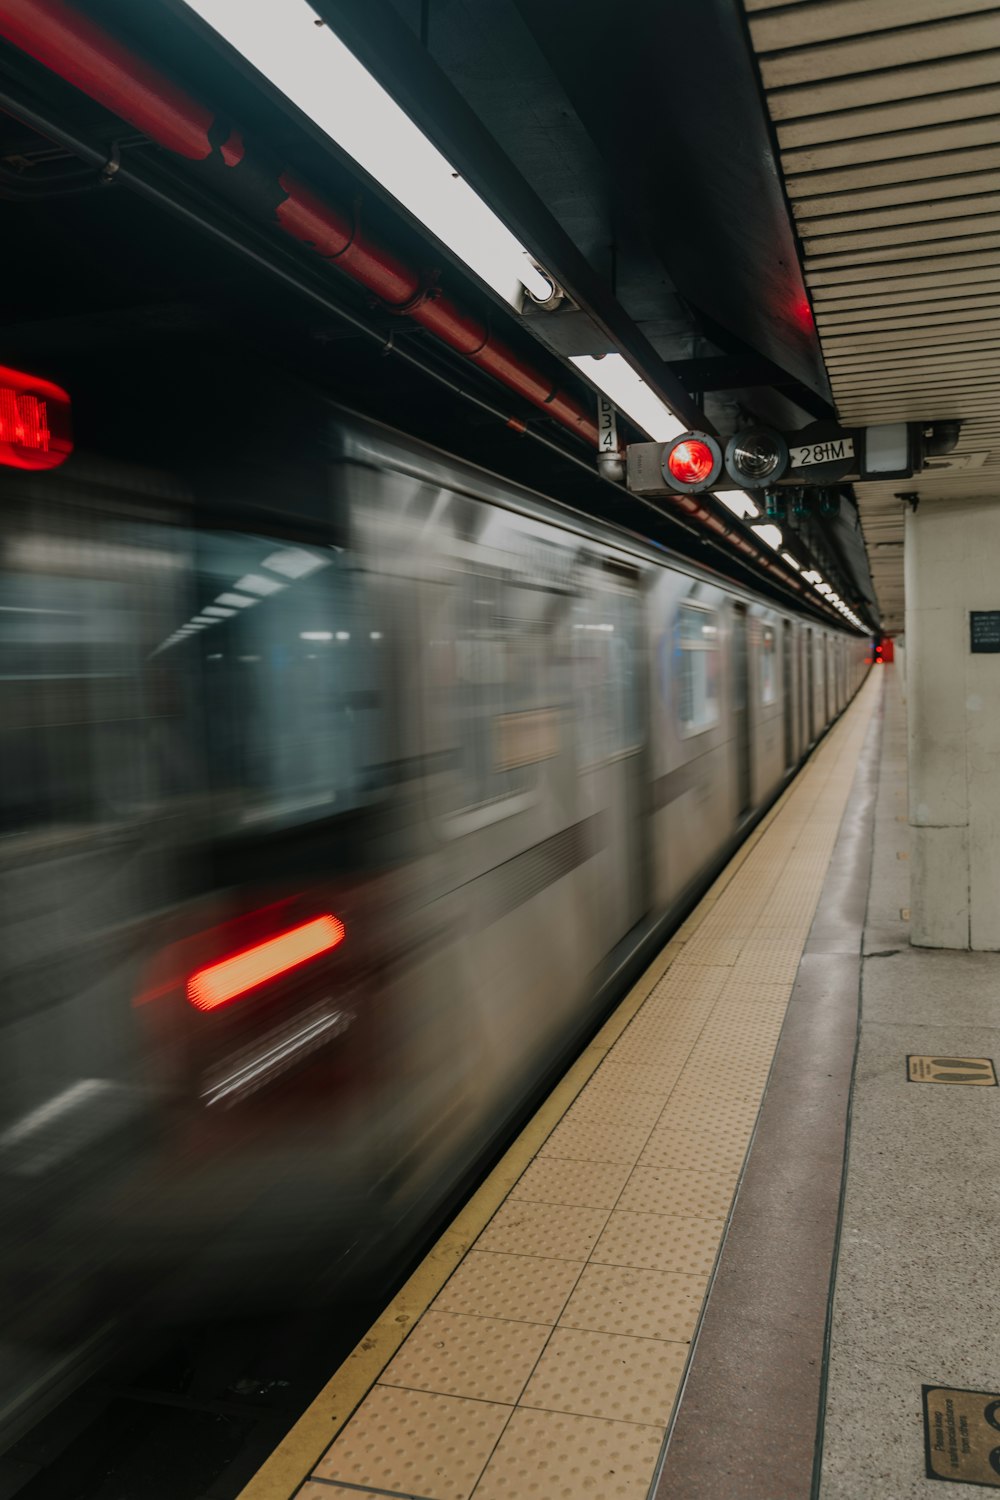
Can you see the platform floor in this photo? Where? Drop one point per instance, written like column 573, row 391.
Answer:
column 540, row 1348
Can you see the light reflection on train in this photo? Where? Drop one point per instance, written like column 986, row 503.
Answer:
column 323, row 837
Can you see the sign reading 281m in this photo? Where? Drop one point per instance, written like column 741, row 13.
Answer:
column 829, row 451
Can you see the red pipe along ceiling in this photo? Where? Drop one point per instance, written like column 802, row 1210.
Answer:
column 80, row 52
column 72, row 46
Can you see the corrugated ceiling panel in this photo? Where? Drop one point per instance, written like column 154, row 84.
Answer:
column 887, row 115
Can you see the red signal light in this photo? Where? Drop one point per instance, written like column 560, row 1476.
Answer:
column 232, row 977
column 35, row 431
column 691, row 462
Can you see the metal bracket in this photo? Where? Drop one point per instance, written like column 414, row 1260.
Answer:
column 110, row 169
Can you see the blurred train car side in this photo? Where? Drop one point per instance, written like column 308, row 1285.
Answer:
column 342, row 781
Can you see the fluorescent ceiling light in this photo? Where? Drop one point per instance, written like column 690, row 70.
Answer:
column 256, row 583
column 313, row 68
column 315, row 635
column 239, row 600
column 218, row 611
column 293, row 562
column 613, row 375
column 769, row 534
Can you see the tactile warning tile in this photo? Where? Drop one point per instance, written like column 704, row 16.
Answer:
column 586, row 1184
column 643, row 1303
column 589, row 1140
column 545, row 1229
column 640, row 1078
column 607, row 1375
column 607, row 1107
column 686, row 981
column 414, row 1443
column 660, row 1242
column 734, row 1123
column 672, row 1149
column 547, row 1455
column 526, row 1288
column 686, row 1192
column 486, row 1359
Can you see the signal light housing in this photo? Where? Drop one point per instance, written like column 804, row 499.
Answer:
column 692, row 462
column 35, row 430
column 756, row 457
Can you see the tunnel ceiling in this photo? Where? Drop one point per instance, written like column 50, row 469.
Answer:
column 634, row 154
column 644, row 139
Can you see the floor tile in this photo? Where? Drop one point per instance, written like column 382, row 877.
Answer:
column 545, row 1229
column 414, row 1443
column 693, row 1152
column 643, row 1303
column 607, row 1375
column 527, row 1288
column 583, row 1184
column 684, row 1191
column 486, row 1359
column 660, row 1242
column 551, row 1456
column 594, row 1141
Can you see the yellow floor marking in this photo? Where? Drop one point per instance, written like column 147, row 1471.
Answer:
column 699, row 941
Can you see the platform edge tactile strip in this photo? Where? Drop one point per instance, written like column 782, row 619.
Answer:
column 770, row 1293
column 678, row 1017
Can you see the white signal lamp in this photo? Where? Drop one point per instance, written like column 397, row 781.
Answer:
column 756, row 457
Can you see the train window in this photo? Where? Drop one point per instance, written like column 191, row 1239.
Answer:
column 768, row 665
column 284, row 663
column 696, row 658
column 505, row 718
column 605, row 662
column 81, row 615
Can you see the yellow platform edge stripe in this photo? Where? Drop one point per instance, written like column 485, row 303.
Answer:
column 292, row 1461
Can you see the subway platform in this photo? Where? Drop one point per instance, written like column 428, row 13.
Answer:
column 743, row 1251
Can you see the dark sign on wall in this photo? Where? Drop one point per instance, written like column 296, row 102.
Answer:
column 984, row 630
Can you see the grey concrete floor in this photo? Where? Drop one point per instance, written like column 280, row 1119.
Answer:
column 914, row 1300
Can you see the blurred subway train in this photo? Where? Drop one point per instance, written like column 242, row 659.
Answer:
column 342, row 784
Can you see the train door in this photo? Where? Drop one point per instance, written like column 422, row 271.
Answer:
column 611, row 713
column 787, row 700
column 741, row 710
column 799, row 678
column 810, row 685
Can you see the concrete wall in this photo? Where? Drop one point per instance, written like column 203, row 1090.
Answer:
column 952, row 564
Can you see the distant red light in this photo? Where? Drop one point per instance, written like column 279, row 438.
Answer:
column 35, row 431
column 691, row 462
column 803, row 314
column 232, row 977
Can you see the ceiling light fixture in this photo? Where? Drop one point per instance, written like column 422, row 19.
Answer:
column 614, row 376
column 315, row 70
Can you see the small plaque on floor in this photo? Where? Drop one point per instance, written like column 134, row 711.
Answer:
column 962, row 1435
column 976, row 1070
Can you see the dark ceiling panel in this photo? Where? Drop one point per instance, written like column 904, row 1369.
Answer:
column 672, row 100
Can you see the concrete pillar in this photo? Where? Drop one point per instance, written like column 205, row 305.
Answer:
column 952, row 565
